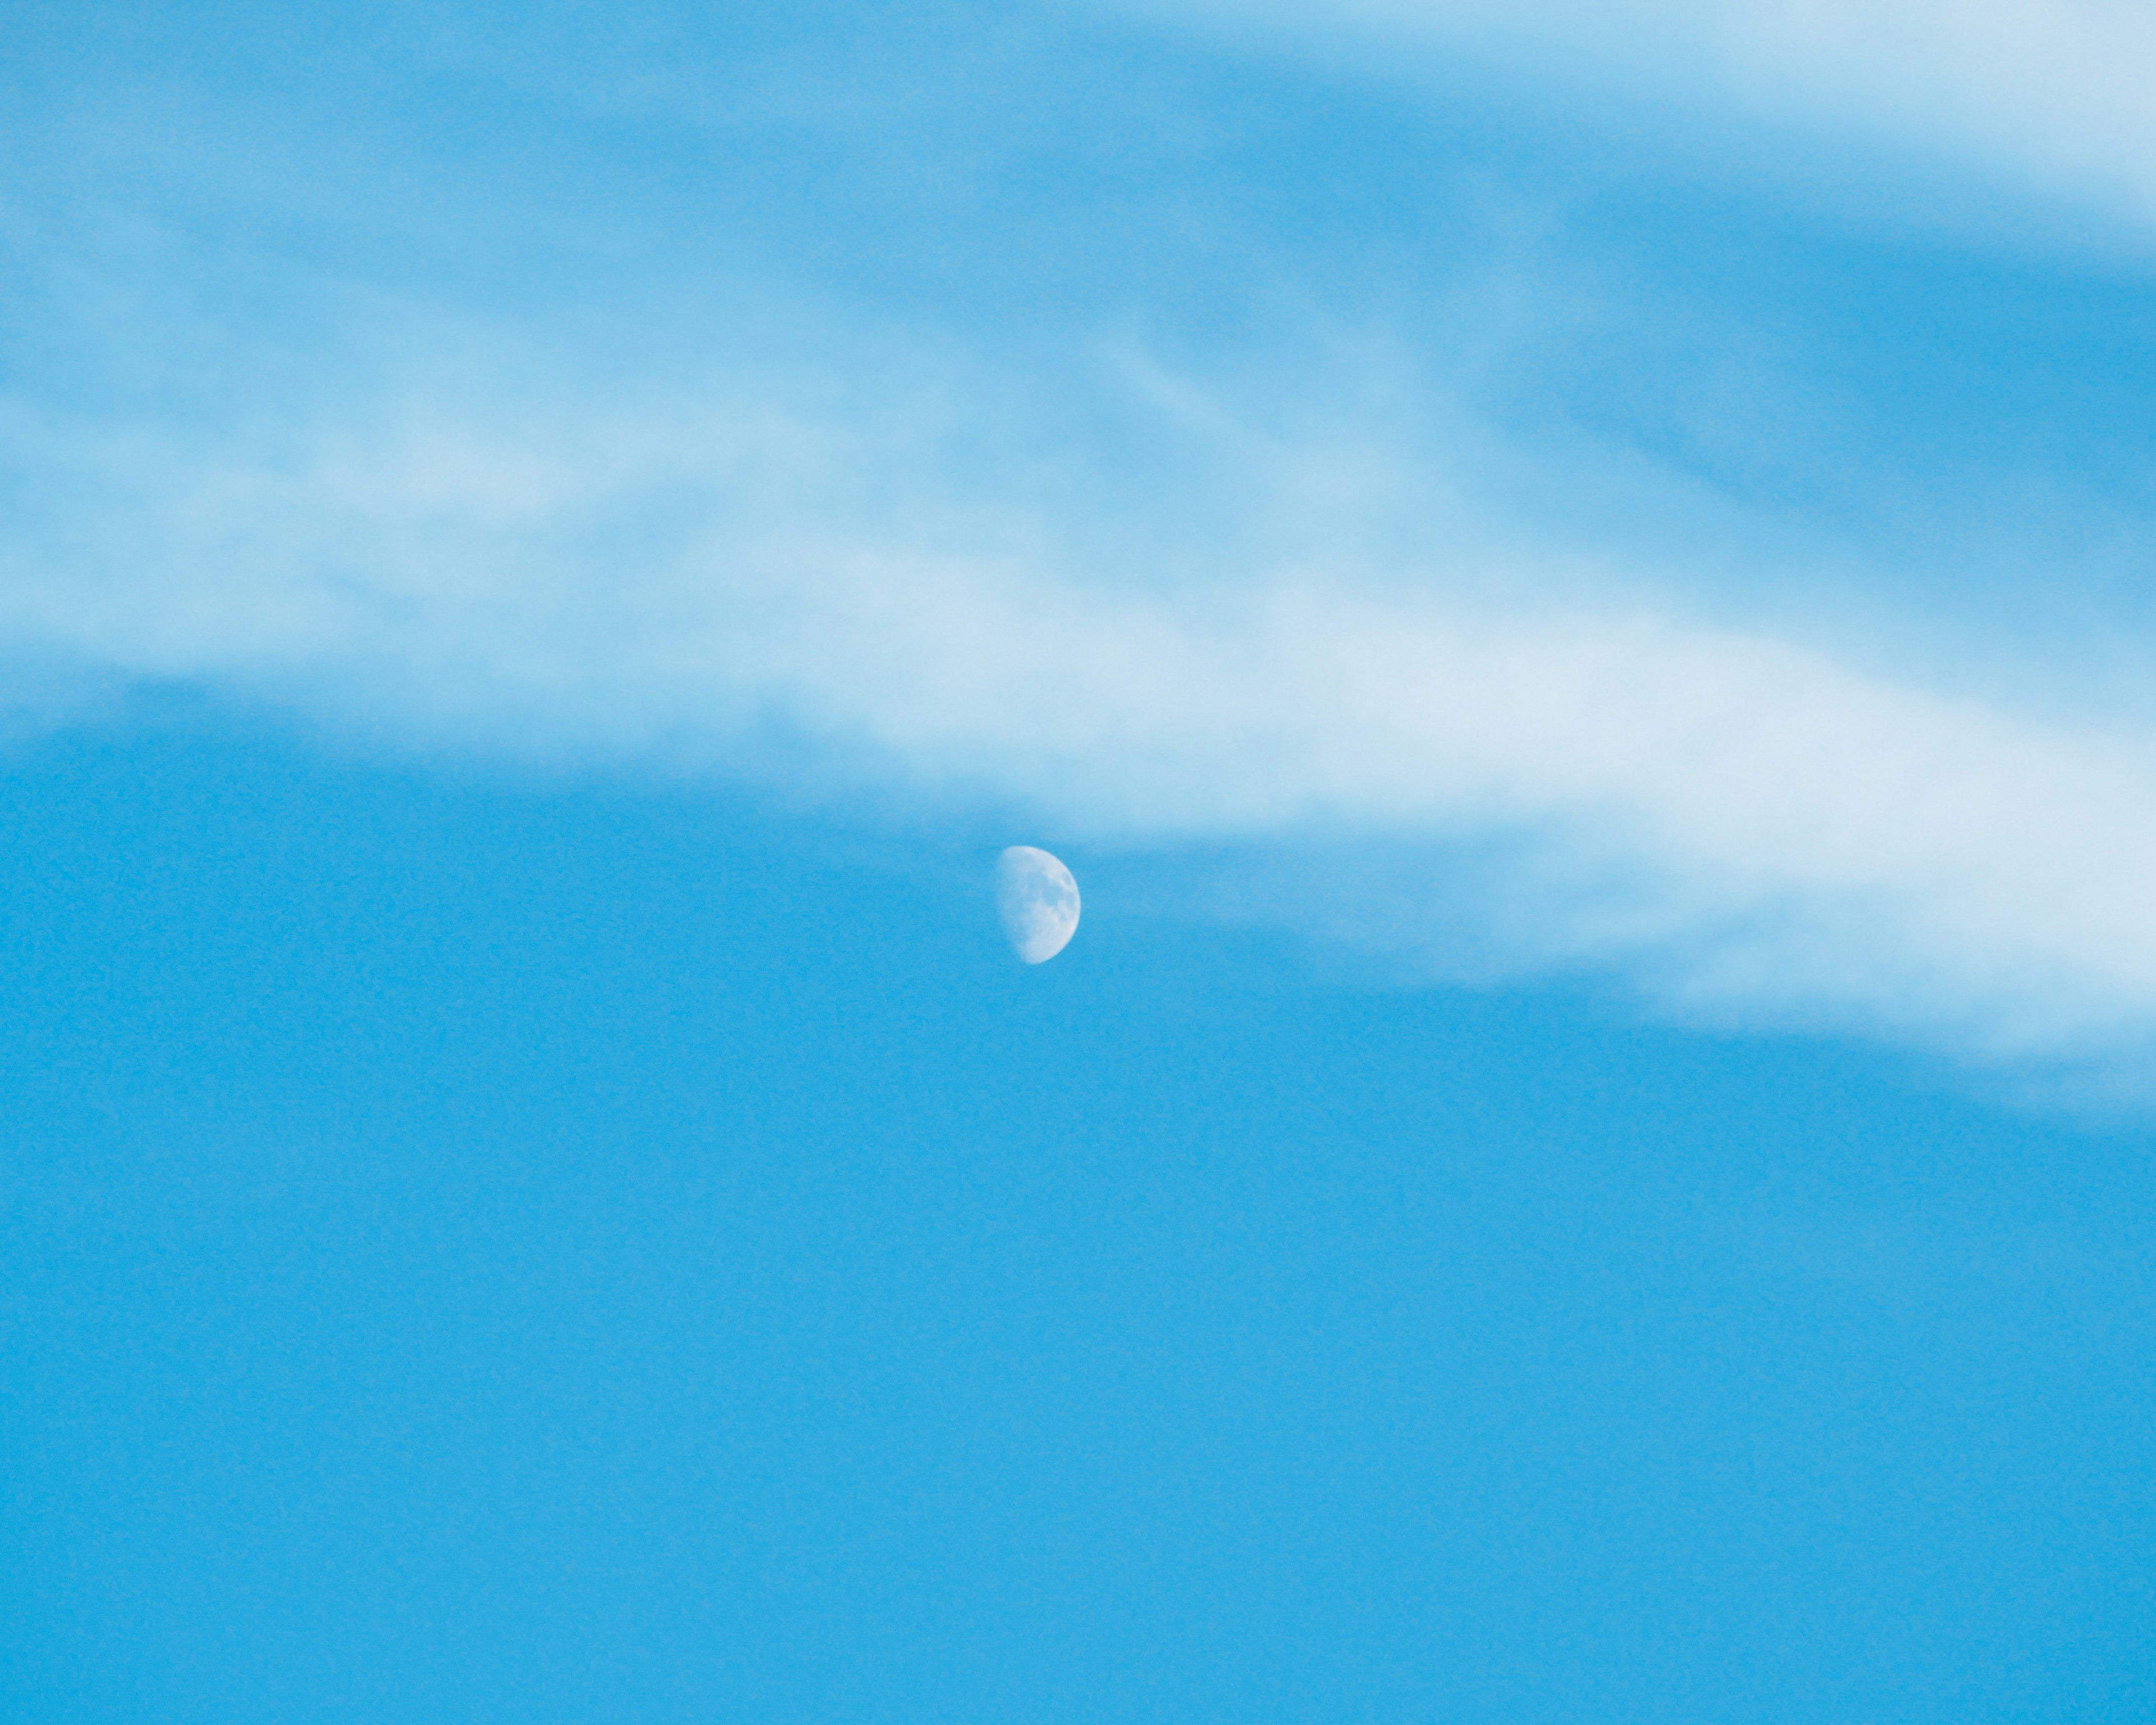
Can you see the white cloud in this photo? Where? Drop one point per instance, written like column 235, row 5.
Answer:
column 1746, row 825
column 1295, row 624
column 2052, row 93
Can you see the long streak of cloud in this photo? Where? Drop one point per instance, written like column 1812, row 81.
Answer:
column 2052, row 93
column 1160, row 617
column 1748, row 825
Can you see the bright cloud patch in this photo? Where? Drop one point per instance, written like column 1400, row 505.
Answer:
column 1747, row 825
column 1461, row 615
column 2053, row 94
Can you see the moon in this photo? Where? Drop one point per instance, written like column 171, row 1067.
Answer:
column 1038, row 900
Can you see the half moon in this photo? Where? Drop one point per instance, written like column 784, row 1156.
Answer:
column 1038, row 902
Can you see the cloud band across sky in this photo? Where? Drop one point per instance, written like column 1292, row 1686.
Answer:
column 1184, row 585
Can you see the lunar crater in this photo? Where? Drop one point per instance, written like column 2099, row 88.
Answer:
column 1038, row 899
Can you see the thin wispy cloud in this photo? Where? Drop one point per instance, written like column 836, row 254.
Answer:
column 1480, row 671
column 1751, row 824
column 2051, row 96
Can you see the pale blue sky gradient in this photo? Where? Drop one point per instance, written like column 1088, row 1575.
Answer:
column 1575, row 588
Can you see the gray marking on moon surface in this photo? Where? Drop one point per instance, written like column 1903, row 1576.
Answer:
column 1038, row 900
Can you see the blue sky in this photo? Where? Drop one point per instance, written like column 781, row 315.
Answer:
column 1573, row 585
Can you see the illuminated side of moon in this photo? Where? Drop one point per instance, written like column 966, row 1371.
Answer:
column 1038, row 902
